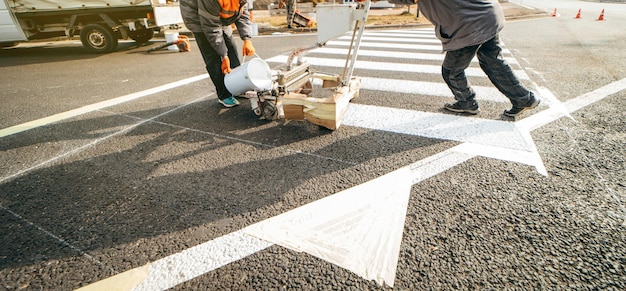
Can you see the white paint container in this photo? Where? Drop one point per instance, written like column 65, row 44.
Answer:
column 253, row 75
column 171, row 36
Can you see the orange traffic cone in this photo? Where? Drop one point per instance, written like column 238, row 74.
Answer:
column 601, row 17
column 578, row 15
column 554, row 13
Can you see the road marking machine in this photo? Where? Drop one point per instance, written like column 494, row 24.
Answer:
column 294, row 91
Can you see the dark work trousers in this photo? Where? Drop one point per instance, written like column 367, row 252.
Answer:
column 291, row 11
column 492, row 63
column 213, row 61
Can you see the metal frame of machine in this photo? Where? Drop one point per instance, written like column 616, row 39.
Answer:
column 290, row 96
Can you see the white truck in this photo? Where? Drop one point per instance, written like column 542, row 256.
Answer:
column 99, row 23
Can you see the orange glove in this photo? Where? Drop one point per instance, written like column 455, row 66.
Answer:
column 226, row 65
column 248, row 49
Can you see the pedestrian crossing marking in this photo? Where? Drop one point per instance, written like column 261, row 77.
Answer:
column 394, row 55
column 479, row 137
column 427, row 88
column 395, row 46
column 236, row 245
column 495, row 133
column 387, row 66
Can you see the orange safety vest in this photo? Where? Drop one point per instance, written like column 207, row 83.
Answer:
column 229, row 8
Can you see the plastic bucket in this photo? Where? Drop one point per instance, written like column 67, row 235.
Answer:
column 171, row 36
column 253, row 75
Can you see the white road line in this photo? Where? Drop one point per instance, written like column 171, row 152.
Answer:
column 418, row 31
column 94, row 142
column 427, row 88
column 431, row 89
column 183, row 266
column 394, row 55
column 397, row 33
column 495, row 133
column 394, row 40
column 389, row 46
column 96, row 106
column 178, row 268
column 394, row 47
column 388, row 66
column 547, row 116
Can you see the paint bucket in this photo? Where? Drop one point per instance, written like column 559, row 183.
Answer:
column 171, row 36
column 253, row 75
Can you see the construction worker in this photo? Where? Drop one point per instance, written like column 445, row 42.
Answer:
column 210, row 21
column 469, row 28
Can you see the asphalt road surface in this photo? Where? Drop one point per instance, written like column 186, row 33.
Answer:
column 122, row 170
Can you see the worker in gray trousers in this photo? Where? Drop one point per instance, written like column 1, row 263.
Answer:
column 469, row 28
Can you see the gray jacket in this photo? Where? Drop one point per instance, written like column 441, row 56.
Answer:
column 203, row 16
column 462, row 23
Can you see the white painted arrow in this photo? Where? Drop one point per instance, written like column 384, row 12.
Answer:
column 359, row 229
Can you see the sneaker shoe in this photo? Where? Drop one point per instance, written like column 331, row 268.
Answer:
column 470, row 107
column 515, row 111
column 229, row 102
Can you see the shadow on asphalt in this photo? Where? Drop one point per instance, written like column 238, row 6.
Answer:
column 201, row 167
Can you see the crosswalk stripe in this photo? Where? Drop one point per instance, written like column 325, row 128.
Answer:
column 383, row 45
column 423, row 88
column 395, row 39
column 394, row 55
column 427, row 88
column 404, row 47
column 398, row 35
column 502, row 134
column 426, row 31
column 387, row 66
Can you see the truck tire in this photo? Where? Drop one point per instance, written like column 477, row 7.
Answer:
column 8, row 44
column 141, row 36
column 98, row 38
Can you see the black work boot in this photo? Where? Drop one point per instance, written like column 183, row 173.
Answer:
column 515, row 111
column 469, row 106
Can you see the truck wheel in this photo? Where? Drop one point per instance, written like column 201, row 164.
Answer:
column 8, row 44
column 98, row 38
column 141, row 36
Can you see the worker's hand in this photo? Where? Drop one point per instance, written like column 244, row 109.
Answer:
column 248, row 48
column 226, row 65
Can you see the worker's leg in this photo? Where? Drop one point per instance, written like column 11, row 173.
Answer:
column 213, row 64
column 501, row 75
column 453, row 72
column 233, row 52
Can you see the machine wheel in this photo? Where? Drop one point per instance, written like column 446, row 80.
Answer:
column 269, row 111
column 141, row 36
column 98, row 38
